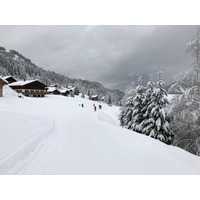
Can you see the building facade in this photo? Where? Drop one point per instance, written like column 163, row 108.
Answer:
column 31, row 88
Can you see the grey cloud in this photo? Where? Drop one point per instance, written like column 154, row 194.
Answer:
column 112, row 55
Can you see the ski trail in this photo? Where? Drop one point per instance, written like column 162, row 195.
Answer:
column 25, row 152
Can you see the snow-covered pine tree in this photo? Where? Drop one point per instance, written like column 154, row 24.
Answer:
column 148, row 120
column 82, row 95
column 160, row 114
column 125, row 116
column 186, row 123
column 109, row 101
column 76, row 91
column 72, row 94
column 193, row 47
column 137, row 114
column 185, row 112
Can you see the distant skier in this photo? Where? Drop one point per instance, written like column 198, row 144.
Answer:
column 100, row 106
column 95, row 108
column 82, row 105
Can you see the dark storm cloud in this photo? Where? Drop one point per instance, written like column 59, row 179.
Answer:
column 112, row 55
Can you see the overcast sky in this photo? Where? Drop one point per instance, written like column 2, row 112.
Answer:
column 112, row 55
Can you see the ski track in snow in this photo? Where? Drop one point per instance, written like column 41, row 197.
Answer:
column 22, row 153
column 76, row 140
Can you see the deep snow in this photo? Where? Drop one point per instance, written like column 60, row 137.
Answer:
column 55, row 135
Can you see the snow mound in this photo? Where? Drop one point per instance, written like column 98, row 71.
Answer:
column 9, row 92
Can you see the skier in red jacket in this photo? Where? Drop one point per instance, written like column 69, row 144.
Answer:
column 95, row 108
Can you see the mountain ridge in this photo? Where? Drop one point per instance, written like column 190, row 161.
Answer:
column 15, row 64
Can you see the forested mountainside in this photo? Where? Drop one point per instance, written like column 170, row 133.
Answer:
column 15, row 64
column 183, row 81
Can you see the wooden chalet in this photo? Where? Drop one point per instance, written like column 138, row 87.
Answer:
column 10, row 79
column 53, row 90
column 30, row 88
column 2, row 83
column 94, row 97
column 65, row 92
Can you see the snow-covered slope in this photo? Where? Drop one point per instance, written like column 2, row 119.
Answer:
column 55, row 135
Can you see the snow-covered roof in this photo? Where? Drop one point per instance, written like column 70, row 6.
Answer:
column 94, row 96
column 54, row 85
column 6, row 77
column 2, row 78
column 51, row 89
column 63, row 90
column 21, row 83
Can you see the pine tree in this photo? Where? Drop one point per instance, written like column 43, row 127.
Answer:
column 82, row 95
column 185, row 112
column 186, row 123
column 109, row 101
column 137, row 114
column 72, row 94
column 148, row 120
column 159, row 115
column 76, row 91
column 125, row 116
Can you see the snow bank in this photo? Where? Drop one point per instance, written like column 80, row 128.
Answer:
column 9, row 92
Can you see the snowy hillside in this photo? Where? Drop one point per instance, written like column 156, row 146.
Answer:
column 15, row 64
column 55, row 135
